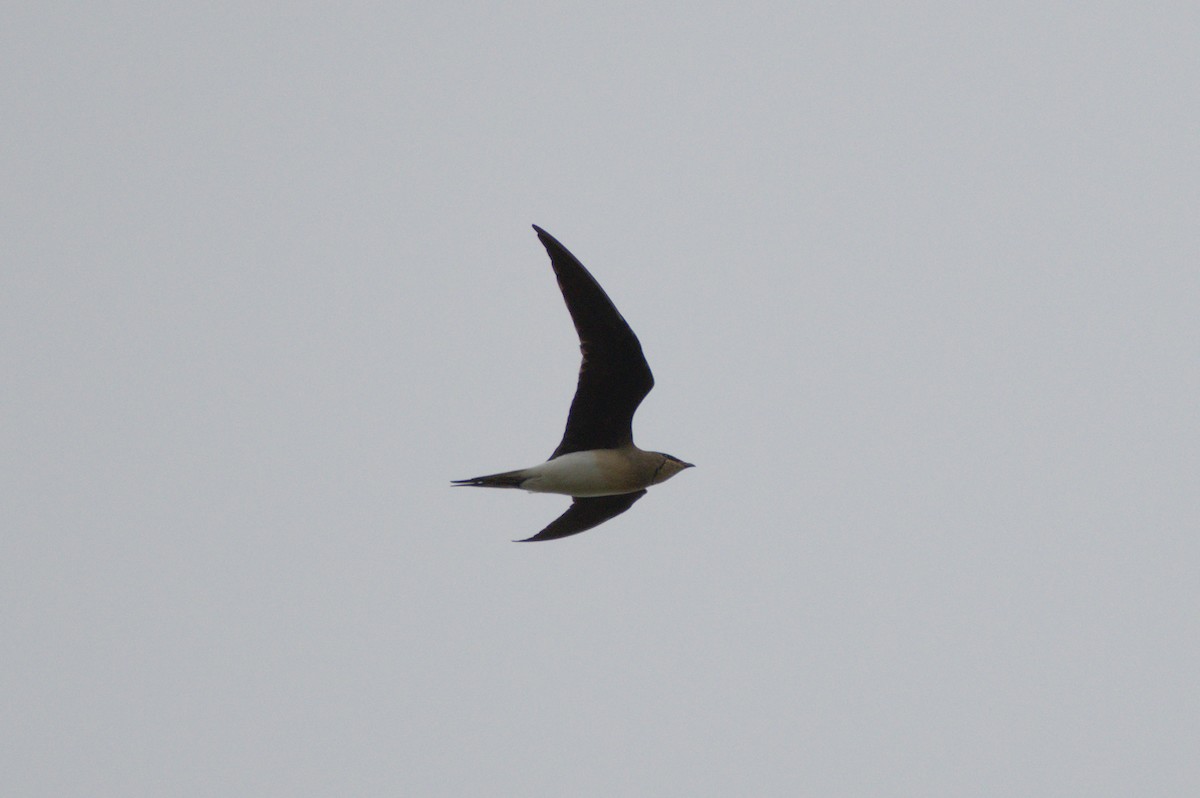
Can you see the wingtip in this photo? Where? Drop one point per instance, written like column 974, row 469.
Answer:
column 534, row 538
column 531, row 539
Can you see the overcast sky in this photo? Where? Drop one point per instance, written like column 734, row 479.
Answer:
column 919, row 286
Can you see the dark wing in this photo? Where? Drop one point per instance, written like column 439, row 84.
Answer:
column 583, row 514
column 614, row 376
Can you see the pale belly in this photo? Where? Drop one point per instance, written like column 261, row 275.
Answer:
column 603, row 472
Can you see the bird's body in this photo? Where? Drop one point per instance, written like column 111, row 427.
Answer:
column 596, row 462
column 596, row 472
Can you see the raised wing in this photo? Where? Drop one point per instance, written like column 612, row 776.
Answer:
column 584, row 514
column 614, row 377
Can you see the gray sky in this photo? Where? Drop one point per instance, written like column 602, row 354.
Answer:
column 919, row 287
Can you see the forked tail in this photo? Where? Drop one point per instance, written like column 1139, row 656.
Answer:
column 509, row 479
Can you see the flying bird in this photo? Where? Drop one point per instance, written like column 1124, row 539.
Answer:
column 597, row 463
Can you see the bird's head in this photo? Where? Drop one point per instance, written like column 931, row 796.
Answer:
column 669, row 467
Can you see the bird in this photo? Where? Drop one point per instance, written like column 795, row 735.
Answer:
column 596, row 463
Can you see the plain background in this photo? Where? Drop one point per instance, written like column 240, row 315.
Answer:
column 918, row 283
